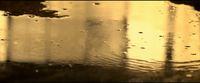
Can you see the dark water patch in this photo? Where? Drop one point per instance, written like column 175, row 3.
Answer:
column 62, row 73
column 21, row 7
column 168, row 67
column 28, row 72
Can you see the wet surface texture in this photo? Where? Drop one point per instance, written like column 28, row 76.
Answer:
column 99, row 41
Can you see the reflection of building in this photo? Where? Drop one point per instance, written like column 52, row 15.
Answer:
column 92, row 32
column 149, row 26
column 95, row 32
column 148, row 30
column 3, row 37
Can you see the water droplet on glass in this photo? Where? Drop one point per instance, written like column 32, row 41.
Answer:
column 3, row 39
column 187, row 46
column 193, row 54
column 142, row 47
column 96, row 3
column 160, row 36
column 140, row 32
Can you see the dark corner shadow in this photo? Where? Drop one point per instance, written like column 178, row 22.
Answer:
column 21, row 7
column 194, row 3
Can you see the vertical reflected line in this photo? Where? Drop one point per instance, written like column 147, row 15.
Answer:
column 168, row 70
column 169, row 54
column 47, row 41
column 47, row 37
column 87, row 47
column 125, row 27
column 9, row 38
column 3, row 35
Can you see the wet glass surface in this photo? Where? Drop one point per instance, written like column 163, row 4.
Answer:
column 122, row 41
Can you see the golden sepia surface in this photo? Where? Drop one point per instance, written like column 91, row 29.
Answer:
column 103, row 33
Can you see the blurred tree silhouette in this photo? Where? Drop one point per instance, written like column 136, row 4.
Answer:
column 194, row 3
column 20, row 7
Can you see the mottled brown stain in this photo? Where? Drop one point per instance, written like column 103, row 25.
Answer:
column 17, row 8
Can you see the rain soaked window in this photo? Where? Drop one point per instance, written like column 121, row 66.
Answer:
column 101, row 41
